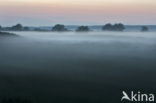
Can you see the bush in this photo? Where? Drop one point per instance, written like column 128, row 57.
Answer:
column 115, row 27
column 83, row 29
column 144, row 29
column 17, row 27
column 59, row 28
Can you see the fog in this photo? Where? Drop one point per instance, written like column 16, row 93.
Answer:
column 77, row 67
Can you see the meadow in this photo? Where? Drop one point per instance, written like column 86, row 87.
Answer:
column 71, row 67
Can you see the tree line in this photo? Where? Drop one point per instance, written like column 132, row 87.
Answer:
column 62, row 28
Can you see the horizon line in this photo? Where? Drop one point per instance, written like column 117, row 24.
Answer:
column 80, row 25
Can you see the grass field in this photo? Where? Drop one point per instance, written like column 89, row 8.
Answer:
column 77, row 67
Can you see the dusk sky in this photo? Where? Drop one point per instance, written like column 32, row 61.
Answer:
column 77, row 12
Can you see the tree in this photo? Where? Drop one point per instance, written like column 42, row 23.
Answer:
column 115, row 27
column 144, row 29
column 17, row 27
column 59, row 28
column 82, row 29
column 107, row 27
column 118, row 27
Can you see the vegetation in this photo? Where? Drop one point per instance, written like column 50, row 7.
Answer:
column 83, row 29
column 59, row 28
column 107, row 27
column 6, row 34
column 62, row 28
column 144, row 29
column 15, row 100
column 115, row 27
column 17, row 27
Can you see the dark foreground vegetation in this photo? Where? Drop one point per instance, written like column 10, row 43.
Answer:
column 95, row 70
column 7, row 34
column 14, row 100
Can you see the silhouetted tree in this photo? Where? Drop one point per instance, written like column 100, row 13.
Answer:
column 107, row 27
column 118, row 27
column 17, row 27
column 115, row 27
column 82, row 29
column 144, row 28
column 59, row 28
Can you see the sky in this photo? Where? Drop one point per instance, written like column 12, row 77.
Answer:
column 77, row 12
